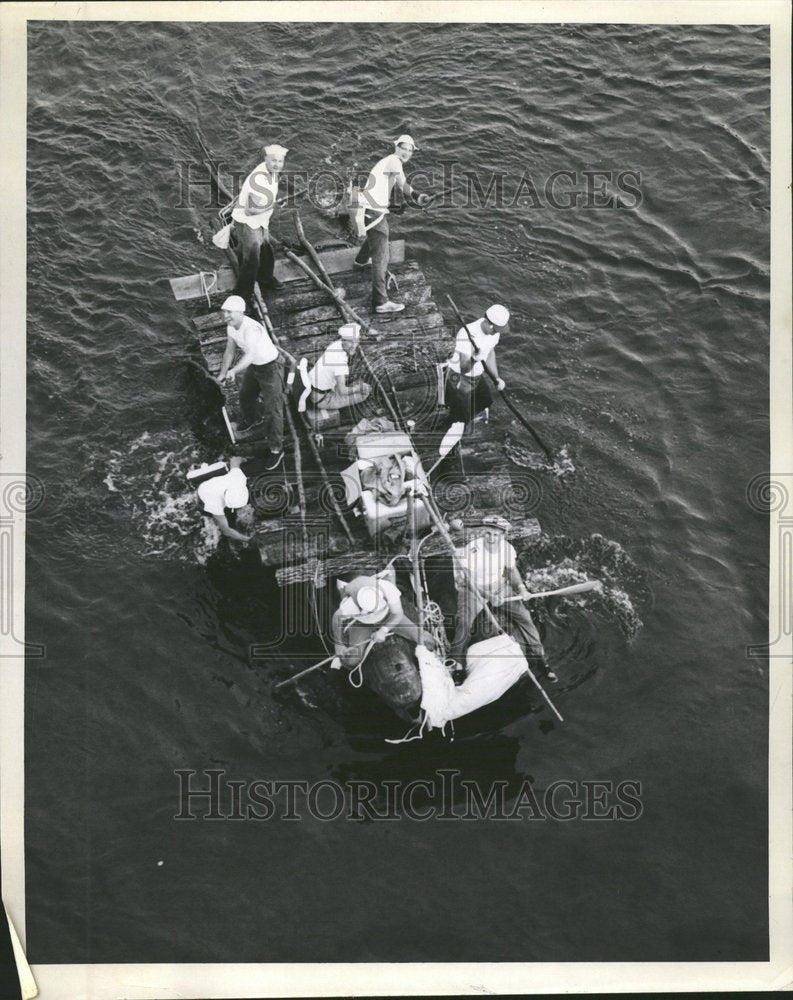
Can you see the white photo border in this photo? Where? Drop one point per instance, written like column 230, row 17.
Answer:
column 107, row 982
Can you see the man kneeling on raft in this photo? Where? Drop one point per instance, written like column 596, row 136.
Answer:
column 328, row 377
column 223, row 495
column 371, row 607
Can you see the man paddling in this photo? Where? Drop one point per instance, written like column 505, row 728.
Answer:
column 492, row 577
column 223, row 495
column 328, row 377
column 262, row 375
column 376, row 195
column 251, row 226
column 468, row 392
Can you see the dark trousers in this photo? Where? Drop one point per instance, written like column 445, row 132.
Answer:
column 255, row 261
column 376, row 246
column 469, row 604
column 466, row 397
column 266, row 381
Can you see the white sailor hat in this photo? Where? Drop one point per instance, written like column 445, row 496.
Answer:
column 369, row 606
column 350, row 331
column 405, row 140
column 498, row 315
column 234, row 303
column 275, row 150
column 496, row 521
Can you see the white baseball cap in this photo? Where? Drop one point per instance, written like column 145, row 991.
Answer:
column 275, row 150
column 234, row 303
column 498, row 315
column 405, row 140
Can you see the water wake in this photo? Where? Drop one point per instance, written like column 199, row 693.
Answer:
column 557, row 561
column 150, row 479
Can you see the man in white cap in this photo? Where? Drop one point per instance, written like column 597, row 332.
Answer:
column 468, row 392
column 491, row 576
column 328, row 377
column 262, row 374
column 250, row 231
column 226, row 493
column 371, row 607
column 383, row 177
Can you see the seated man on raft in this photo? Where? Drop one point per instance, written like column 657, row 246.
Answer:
column 371, row 607
column 492, row 577
column 328, row 377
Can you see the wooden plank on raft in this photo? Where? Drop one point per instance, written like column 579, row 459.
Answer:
column 416, row 298
column 191, row 286
column 361, row 562
column 357, row 286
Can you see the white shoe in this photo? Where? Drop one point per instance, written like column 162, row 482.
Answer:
column 390, row 307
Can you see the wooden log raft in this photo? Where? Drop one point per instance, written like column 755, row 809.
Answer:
column 366, row 561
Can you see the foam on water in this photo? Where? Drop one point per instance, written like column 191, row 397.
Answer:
column 150, row 476
column 558, row 561
column 522, row 455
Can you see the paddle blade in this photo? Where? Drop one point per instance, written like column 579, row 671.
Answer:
column 451, row 438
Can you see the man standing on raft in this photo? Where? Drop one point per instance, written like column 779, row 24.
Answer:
column 376, row 195
column 250, row 231
column 474, row 353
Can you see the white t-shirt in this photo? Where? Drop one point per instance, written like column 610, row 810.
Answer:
column 332, row 364
column 252, row 336
column 212, row 492
column 261, row 183
column 382, row 177
column 486, row 566
column 485, row 344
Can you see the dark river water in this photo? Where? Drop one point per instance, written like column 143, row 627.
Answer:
column 640, row 341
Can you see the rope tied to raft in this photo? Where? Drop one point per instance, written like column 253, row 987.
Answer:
column 207, row 288
column 358, row 668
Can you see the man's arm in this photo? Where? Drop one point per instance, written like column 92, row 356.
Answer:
column 491, row 366
column 245, row 361
column 225, row 529
column 408, row 191
column 228, row 357
column 256, row 201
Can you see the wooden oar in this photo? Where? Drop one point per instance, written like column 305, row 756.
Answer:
column 502, row 392
column 308, row 670
column 316, row 666
column 576, row 588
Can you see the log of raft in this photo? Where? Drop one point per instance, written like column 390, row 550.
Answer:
column 365, row 561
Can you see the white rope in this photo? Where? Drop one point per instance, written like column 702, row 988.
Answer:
column 206, row 288
column 407, row 738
